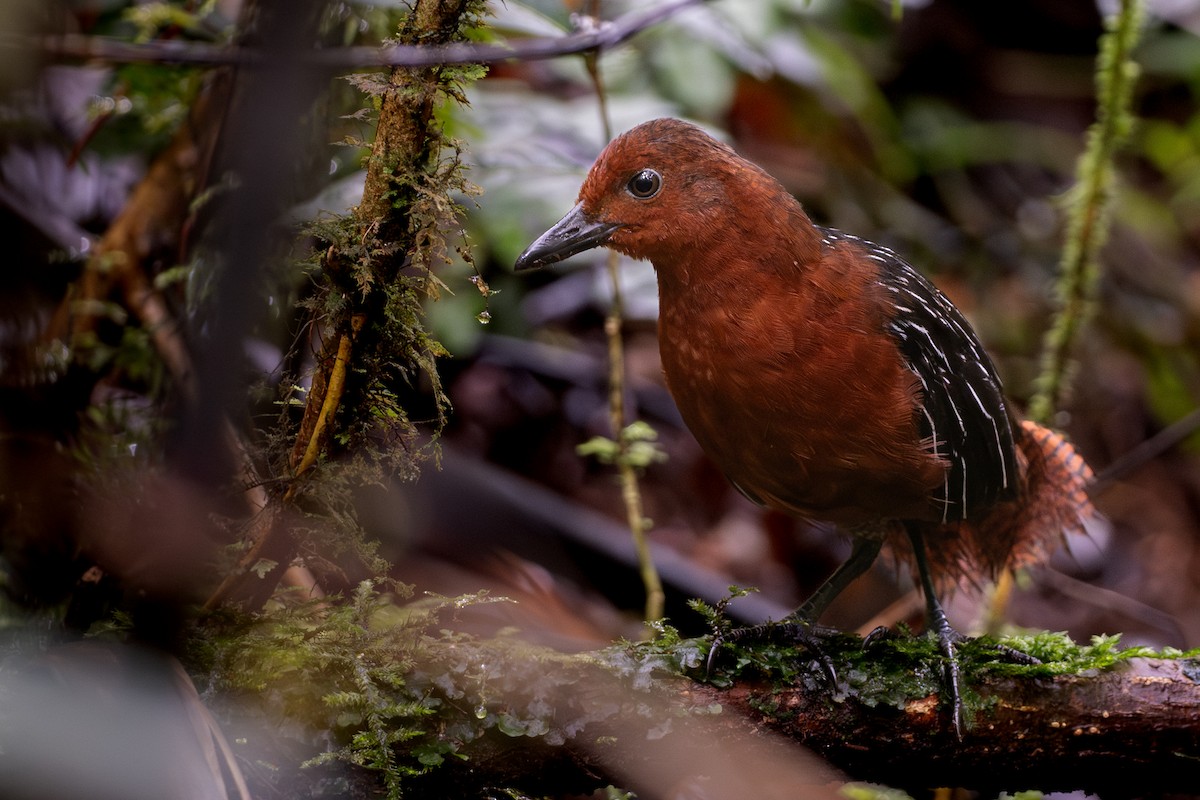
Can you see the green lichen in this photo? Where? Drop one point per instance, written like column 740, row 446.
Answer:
column 871, row 791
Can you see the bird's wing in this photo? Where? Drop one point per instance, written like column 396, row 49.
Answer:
column 964, row 417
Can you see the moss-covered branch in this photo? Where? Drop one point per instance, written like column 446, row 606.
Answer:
column 374, row 271
column 1117, row 730
column 440, row 714
column 1121, row 731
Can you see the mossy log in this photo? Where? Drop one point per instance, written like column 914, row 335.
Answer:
column 1127, row 731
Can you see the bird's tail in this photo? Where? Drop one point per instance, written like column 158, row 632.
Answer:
column 1055, row 501
column 1021, row 532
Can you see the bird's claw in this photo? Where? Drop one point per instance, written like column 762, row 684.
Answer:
column 797, row 631
column 948, row 641
column 717, row 641
column 949, row 650
column 879, row 634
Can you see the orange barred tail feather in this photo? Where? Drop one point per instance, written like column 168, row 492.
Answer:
column 1066, row 468
column 1056, row 500
column 1052, row 503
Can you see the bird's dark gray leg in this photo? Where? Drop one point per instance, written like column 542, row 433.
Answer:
column 799, row 625
column 864, row 550
column 935, row 620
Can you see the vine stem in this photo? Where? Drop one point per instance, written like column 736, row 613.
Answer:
column 1089, row 211
column 1090, row 206
column 631, row 494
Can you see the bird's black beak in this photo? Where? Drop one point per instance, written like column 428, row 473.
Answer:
column 572, row 234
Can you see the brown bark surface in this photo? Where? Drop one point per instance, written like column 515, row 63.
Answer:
column 1129, row 731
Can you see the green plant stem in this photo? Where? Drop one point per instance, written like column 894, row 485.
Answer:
column 1090, row 206
column 631, row 493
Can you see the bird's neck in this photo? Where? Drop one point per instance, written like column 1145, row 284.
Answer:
column 767, row 238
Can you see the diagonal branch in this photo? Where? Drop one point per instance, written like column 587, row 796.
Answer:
column 603, row 36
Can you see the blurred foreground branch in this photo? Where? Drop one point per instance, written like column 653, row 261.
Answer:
column 1119, row 732
column 153, row 220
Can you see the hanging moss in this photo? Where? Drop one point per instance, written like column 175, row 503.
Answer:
column 1089, row 205
column 375, row 405
column 377, row 263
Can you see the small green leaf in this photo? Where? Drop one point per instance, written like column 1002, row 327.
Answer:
column 604, row 449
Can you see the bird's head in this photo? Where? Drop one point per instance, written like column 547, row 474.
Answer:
column 663, row 189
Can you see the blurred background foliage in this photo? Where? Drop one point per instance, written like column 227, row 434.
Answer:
column 949, row 132
column 946, row 131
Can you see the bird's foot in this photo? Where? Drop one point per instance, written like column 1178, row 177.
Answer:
column 949, row 642
column 791, row 630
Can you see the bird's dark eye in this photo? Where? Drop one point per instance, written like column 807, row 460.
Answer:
column 645, row 184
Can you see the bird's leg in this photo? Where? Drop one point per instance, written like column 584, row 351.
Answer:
column 799, row 626
column 864, row 550
column 935, row 620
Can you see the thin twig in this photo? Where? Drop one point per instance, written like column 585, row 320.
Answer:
column 603, row 37
column 631, row 493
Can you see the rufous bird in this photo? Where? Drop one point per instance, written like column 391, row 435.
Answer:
column 823, row 374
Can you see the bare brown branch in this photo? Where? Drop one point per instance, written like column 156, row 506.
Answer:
column 604, row 36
